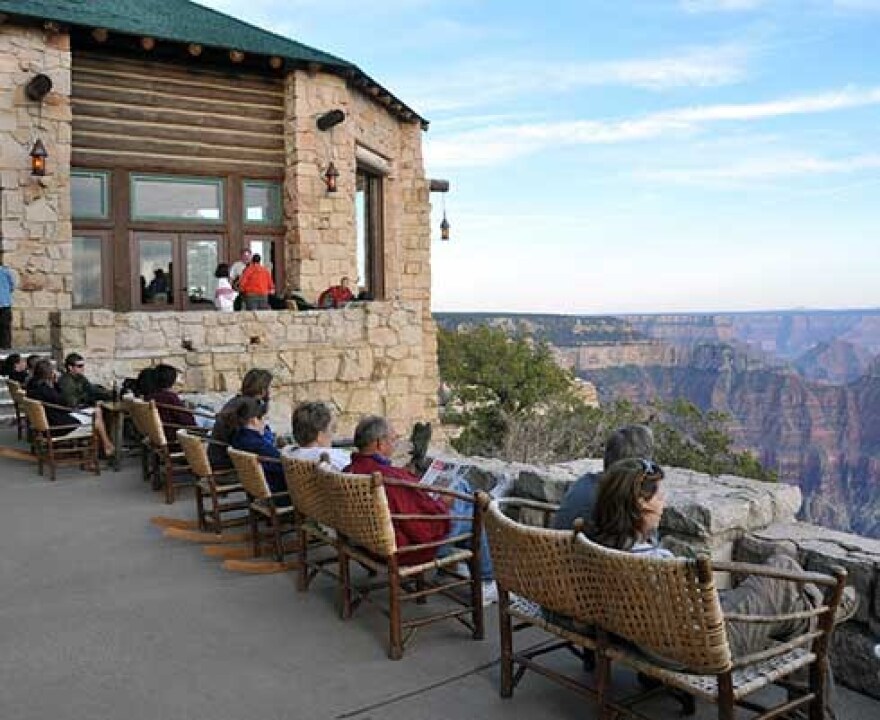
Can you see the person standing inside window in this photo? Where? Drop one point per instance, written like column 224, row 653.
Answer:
column 255, row 285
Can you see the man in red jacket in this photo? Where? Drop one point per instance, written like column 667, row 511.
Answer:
column 374, row 439
column 255, row 285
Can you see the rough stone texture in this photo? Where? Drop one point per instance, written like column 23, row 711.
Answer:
column 331, row 355
column 321, row 227
column 36, row 228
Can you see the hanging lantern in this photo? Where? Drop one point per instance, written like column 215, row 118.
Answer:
column 444, row 227
column 38, row 158
column 330, row 177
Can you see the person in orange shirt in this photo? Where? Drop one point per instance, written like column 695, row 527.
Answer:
column 255, row 285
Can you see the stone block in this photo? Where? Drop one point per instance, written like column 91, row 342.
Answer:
column 327, row 368
column 100, row 341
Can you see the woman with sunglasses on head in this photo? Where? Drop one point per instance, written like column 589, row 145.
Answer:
column 627, row 513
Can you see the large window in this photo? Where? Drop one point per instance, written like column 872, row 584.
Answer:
column 369, row 224
column 197, row 200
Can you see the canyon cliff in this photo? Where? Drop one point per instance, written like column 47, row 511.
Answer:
column 801, row 388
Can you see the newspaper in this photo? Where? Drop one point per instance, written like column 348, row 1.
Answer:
column 444, row 474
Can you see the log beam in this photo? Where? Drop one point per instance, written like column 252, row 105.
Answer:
column 194, row 49
column 148, row 43
column 236, row 56
column 100, row 34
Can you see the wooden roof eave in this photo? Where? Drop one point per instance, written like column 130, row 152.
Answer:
column 352, row 73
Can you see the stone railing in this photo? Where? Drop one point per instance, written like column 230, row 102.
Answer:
column 365, row 358
column 740, row 519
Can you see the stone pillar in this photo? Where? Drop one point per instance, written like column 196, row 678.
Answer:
column 36, row 225
column 321, row 244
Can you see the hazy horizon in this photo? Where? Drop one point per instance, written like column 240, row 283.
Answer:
column 647, row 156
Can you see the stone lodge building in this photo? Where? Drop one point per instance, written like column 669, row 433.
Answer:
column 174, row 136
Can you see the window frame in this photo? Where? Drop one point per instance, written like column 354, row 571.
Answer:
column 374, row 230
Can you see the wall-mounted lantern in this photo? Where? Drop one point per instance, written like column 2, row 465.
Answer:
column 444, row 227
column 330, row 177
column 38, row 158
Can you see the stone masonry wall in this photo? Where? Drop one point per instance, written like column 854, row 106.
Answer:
column 740, row 519
column 366, row 358
column 36, row 227
column 321, row 233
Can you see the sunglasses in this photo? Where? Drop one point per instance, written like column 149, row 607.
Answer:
column 79, row 365
column 652, row 470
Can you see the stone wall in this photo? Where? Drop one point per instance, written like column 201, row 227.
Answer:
column 366, row 358
column 36, row 227
column 740, row 519
column 321, row 227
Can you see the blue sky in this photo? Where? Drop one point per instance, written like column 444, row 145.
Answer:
column 632, row 155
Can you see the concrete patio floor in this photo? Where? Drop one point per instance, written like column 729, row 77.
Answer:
column 103, row 617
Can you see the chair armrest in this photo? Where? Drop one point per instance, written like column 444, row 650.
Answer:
column 430, row 489
column 801, row 576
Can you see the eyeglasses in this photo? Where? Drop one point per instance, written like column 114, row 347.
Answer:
column 652, row 470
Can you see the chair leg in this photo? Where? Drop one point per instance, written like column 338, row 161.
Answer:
column 303, row 578
column 254, row 521
column 200, row 508
column 51, row 452
column 276, row 537
column 395, row 648
column 344, row 582
column 506, row 632
column 92, row 451
column 726, row 707
column 169, row 480
column 818, row 681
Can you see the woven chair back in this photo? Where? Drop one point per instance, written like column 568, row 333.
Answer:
column 307, row 490
column 354, row 505
column 250, row 473
column 145, row 416
column 196, row 454
column 668, row 607
column 539, row 564
column 14, row 387
column 36, row 414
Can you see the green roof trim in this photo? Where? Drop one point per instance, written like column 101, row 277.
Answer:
column 181, row 21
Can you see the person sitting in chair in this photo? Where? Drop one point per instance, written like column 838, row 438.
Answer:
column 75, row 387
column 337, row 296
column 312, row 425
column 249, row 417
column 172, row 409
column 374, row 439
column 629, row 504
column 255, row 384
column 43, row 387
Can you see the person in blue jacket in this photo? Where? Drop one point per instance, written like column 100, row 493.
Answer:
column 250, row 437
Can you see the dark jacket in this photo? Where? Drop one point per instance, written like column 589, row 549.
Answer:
column 47, row 393
column 578, row 502
column 253, row 442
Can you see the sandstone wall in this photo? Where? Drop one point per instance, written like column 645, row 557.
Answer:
column 367, row 358
column 36, row 227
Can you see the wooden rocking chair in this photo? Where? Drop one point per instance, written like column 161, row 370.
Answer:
column 166, row 467
column 78, row 447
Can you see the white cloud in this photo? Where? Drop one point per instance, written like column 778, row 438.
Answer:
column 765, row 168
column 704, row 6
column 486, row 82
column 495, row 144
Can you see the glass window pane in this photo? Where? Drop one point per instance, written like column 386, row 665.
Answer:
column 262, row 202
column 201, row 262
column 155, row 266
column 192, row 199
column 87, row 282
column 88, row 194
